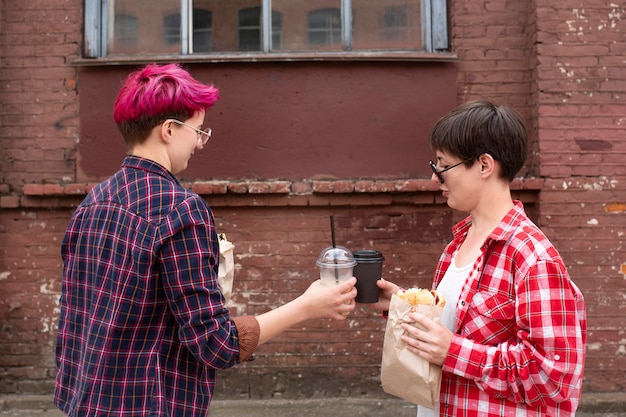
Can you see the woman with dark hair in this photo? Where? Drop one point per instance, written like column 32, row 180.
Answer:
column 512, row 336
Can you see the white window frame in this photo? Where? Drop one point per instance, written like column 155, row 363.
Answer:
column 97, row 17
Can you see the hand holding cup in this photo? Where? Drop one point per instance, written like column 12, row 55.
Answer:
column 333, row 302
column 336, row 264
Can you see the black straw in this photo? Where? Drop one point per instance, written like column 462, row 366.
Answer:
column 332, row 229
column 332, row 237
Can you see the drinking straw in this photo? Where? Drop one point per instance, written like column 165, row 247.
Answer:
column 332, row 229
column 332, row 236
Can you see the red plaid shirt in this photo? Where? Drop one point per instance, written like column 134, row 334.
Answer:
column 519, row 346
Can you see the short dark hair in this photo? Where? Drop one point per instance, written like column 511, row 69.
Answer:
column 482, row 127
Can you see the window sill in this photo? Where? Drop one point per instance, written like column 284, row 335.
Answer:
column 270, row 57
column 357, row 192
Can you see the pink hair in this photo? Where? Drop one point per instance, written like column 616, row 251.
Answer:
column 162, row 90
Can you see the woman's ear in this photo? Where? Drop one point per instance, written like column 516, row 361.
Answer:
column 487, row 165
column 166, row 131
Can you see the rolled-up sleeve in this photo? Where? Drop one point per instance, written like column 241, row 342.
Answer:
column 248, row 330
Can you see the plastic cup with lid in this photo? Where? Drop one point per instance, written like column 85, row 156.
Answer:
column 336, row 264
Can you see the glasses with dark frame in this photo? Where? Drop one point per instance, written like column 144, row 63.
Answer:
column 202, row 136
column 439, row 173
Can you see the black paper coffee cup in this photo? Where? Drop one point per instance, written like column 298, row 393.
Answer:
column 368, row 270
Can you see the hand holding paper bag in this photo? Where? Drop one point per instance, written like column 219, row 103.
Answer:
column 403, row 373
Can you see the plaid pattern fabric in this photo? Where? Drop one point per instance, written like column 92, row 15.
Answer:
column 143, row 324
column 521, row 328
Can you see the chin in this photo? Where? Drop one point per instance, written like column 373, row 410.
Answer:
column 453, row 205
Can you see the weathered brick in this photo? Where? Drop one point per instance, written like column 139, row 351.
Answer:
column 214, row 187
column 238, row 188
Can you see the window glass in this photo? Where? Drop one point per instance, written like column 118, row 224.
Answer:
column 202, row 30
column 250, row 29
column 307, row 25
column 202, row 21
column 387, row 24
column 152, row 36
column 277, row 31
column 324, row 29
column 140, row 27
column 125, row 30
column 171, row 29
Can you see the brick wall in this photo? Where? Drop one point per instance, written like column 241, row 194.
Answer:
column 494, row 43
column 29, row 290
column 278, row 233
column 581, row 82
column 321, row 357
column 561, row 65
column 38, row 92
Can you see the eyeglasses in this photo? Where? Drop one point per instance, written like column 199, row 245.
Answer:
column 202, row 135
column 438, row 173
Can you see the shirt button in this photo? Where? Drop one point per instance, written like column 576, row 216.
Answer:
column 463, row 303
column 557, row 357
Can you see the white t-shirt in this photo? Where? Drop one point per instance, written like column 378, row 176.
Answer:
column 450, row 287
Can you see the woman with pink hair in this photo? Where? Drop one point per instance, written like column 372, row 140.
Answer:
column 143, row 322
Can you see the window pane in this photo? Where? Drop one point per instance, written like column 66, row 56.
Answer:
column 387, row 25
column 202, row 30
column 234, row 25
column 152, row 35
column 277, row 30
column 202, row 21
column 250, row 29
column 171, row 29
column 125, row 29
column 307, row 25
column 324, row 28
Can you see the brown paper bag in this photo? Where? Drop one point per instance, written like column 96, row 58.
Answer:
column 226, row 270
column 403, row 373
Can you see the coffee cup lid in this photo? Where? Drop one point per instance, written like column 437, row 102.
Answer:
column 368, row 255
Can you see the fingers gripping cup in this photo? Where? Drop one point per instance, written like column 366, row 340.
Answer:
column 336, row 265
column 368, row 270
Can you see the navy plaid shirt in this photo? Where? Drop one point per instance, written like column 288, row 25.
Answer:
column 143, row 324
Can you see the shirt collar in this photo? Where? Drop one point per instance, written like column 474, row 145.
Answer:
column 137, row 162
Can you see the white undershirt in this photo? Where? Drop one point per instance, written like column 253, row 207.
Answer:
column 450, row 287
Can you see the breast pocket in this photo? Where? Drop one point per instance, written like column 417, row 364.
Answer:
column 490, row 319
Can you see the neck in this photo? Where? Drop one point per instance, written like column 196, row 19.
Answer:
column 491, row 209
column 151, row 154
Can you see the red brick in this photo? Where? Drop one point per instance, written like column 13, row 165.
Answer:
column 343, row 186
column 323, row 186
column 214, row 187
column 238, row 188
column 301, row 188
column 280, row 187
column 258, row 187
